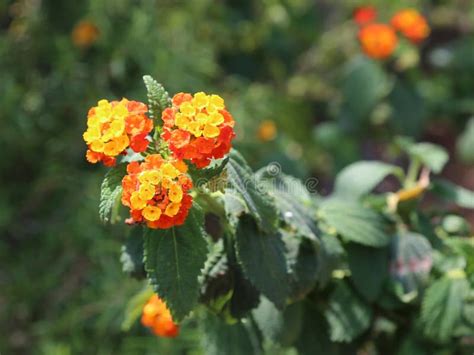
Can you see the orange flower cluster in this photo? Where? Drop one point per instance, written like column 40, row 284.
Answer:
column 156, row 191
column 158, row 317
column 378, row 40
column 411, row 24
column 114, row 126
column 198, row 128
column 364, row 14
column 84, row 34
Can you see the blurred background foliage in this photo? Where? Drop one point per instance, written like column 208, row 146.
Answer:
column 293, row 76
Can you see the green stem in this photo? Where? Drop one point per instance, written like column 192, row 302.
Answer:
column 413, row 172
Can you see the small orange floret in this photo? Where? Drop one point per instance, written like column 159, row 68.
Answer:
column 411, row 24
column 198, row 128
column 84, row 34
column 157, row 192
column 114, row 126
column 363, row 15
column 157, row 316
column 378, row 40
column 267, row 131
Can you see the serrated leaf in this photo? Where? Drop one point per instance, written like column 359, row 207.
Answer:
column 203, row 176
column 223, row 339
column 174, row 258
column 158, row 97
column 314, row 335
column 263, row 260
column 347, row 315
column 442, row 307
column 132, row 254
column 360, row 178
column 111, row 191
column 281, row 327
column 258, row 202
column 135, row 306
column 369, row 269
column 433, row 156
column 354, row 222
column 293, row 201
column 453, row 193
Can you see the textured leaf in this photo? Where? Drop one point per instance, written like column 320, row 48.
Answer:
column 258, row 202
column 453, row 193
column 360, row 178
column 347, row 315
column 174, row 258
column 203, row 176
column 369, row 269
column 111, row 191
column 158, row 97
column 442, row 307
column 263, row 260
column 431, row 155
column 281, row 327
column 355, row 222
column 132, row 254
column 135, row 307
column 331, row 253
column 223, row 339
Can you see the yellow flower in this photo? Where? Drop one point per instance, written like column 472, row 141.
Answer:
column 151, row 213
column 172, row 209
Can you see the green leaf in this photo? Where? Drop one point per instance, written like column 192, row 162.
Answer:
column 158, row 97
column 466, row 142
column 453, row 193
column 354, row 222
column 279, row 327
column 135, row 307
column 223, row 339
column 442, row 307
column 257, row 201
column 203, row 176
column 132, row 254
column 347, row 315
column 293, row 201
column 331, row 254
column 111, row 191
column 263, row 260
column 360, row 178
column 369, row 269
column 433, row 156
column 174, row 258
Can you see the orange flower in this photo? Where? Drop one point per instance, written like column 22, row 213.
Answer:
column 158, row 317
column 411, row 24
column 364, row 14
column 156, row 191
column 267, row 131
column 378, row 40
column 114, row 126
column 84, row 34
column 198, row 128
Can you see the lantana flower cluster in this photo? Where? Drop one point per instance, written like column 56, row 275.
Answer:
column 157, row 317
column 379, row 40
column 156, row 189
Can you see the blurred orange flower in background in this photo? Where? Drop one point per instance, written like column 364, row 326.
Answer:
column 363, row 15
column 157, row 317
column 84, row 34
column 411, row 24
column 378, row 40
column 267, row 131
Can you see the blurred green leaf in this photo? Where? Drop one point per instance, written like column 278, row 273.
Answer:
column 135, row 306
column 132, row 253
column 453, row 193
column 465, row 143
column 433, row 156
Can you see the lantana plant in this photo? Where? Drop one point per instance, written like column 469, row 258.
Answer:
column 261, row 260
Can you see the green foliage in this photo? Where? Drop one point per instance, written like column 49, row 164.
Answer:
column 110, row 193
column 263, row 260
column 158, row 97
column 433, row 156
column 453, row 193
column 466, row 142
column 132, row 254
column 135, row 306
column 173, row 261
column 354, row 223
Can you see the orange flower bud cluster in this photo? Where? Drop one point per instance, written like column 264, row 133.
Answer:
column 156, row 191
column 157, row 317
column 411, row 24
column 198, row 128
column 114, row 126
column 379, row 40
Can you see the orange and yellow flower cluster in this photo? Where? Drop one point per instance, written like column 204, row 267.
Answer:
column 114, row 126
column 156, row 191
column 198, row 128
column 157, row 317
column 379, row 40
